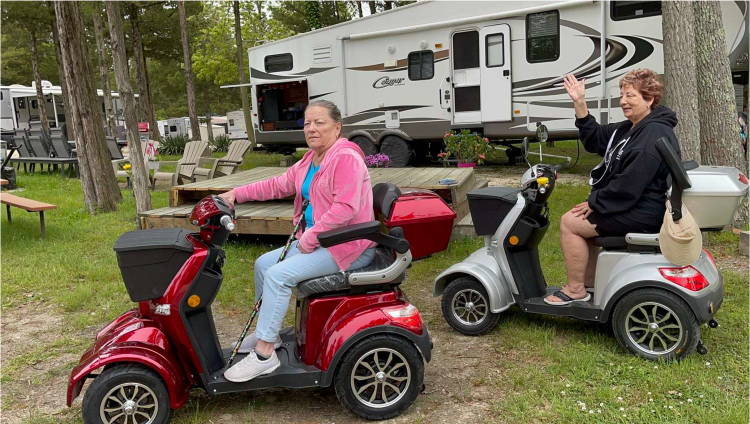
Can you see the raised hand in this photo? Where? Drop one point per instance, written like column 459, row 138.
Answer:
column 576, row 90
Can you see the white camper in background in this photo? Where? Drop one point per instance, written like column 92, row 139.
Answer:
column 177, row 126
column 20, row 105
column 218, row 131
column 163, row 127
column 496, row 67
column 236, row 125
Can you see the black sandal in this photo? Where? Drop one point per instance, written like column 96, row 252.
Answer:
column 566, row 300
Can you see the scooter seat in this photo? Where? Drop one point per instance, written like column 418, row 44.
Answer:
column 611, row 243
column 641, row 243
column 340, row 281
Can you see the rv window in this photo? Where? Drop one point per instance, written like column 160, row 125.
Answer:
column 421, row 65
column 495, row 51
column 34, row 104
column 622, row 10
column 22, row 103
column 465, row 50
column 173, row 128
column 279, row 62
column 543, row 36
column 231, row 122
column 468, row 99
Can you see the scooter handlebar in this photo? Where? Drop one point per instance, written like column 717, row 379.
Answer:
column 226, row 222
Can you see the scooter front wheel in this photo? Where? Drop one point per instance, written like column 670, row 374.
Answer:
column 125, row 393
column 379, row 377
column 466, row 307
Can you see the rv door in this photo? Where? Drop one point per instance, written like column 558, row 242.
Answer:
column 494, row 55
column 466, row 77
column 7, row 114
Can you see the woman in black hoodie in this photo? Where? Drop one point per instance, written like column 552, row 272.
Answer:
column 629, row 186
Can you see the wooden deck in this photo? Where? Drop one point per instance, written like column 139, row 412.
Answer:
column 275, row 217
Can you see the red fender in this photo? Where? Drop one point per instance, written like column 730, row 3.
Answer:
column 134, row 340
column 344, row 330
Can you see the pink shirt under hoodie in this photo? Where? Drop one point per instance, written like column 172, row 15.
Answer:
column 340, row 192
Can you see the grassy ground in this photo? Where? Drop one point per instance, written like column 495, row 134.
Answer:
column 57, row 292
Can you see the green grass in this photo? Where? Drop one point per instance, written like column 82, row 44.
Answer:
column 528, row 360
column 567, row 148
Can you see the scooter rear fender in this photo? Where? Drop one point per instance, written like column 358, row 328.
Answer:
column 133, row 340
column 362, row 324
column 482, row 266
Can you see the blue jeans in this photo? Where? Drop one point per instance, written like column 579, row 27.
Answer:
column 275, row 281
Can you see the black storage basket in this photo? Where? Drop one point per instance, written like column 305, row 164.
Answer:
column 149, row 260
column 489, row 206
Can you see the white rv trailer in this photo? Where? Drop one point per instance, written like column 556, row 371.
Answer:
column 497, row 68
column 236, row 125
column 20, row 105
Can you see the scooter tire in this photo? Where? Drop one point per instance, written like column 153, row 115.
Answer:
column 126, row 374
column 691, row 331
column 464, row 284
column 344, row 380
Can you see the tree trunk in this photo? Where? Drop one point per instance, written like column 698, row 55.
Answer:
column 41, row 103
column 680, row 74
column 109, row 113
column 359, row 9
column 127, row 96
column 241, row 70
column 100, row 191
column 189, row 77
column 69, row 126
column 371, row 6
column 209, row 122
column 721, row 142
column 147, row 113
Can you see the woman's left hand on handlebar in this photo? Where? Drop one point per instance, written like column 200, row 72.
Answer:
column 228, row 196
column 582, row 209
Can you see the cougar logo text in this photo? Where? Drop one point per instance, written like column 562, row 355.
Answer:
column 387, row 82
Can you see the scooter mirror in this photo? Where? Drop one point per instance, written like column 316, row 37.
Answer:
column 541, row 133
column 525, row 148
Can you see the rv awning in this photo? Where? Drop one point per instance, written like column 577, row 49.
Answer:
column 259, row 81
column 23, row 91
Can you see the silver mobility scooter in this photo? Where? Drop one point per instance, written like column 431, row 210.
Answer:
column 655, row 307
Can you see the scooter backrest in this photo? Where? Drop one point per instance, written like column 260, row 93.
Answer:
column 383, row 196
column 677, row 172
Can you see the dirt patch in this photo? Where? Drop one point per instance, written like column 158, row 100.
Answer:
column 511, row 177
column 37, row 357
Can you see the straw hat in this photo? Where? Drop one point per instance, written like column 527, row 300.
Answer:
column 680, row 242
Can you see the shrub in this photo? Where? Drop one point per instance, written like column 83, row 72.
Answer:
column 173, row 144
column 465, row 146
column 221, row 143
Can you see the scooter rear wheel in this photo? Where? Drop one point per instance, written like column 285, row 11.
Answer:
column 466, row 307
column 656, row 324
column 379, row 377
column 124, row 392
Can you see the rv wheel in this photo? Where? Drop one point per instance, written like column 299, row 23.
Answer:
column 656, row 325
column 364, row 143
column 379, row 377
column 397, row 150
column 466, row 307
column 127, row 392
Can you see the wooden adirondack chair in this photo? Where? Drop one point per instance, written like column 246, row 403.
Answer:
column 185, row 166
column 209, row 168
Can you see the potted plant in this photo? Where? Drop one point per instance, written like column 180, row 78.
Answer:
column 469, row 148
column 377, row 160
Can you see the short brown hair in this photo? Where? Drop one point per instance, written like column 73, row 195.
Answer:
column 646, row 82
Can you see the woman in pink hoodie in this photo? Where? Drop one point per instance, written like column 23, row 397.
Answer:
column 334, row 178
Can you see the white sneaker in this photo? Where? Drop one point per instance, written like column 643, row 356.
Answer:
column 251, row 367
column 251, row 340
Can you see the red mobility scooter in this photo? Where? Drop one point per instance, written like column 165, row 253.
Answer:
column 355, row 330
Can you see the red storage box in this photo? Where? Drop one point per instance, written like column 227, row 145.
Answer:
column 426, row 219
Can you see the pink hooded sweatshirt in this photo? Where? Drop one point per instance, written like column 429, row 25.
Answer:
column 340, row 192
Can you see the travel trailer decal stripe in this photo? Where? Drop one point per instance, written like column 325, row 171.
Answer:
column 643, row 50
column 320, row 95
column 255, row 73
column 372, row 113
column 401, row 64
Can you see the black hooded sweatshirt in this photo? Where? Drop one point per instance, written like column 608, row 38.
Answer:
column 630, row 184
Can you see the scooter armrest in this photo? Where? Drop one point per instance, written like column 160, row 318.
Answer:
column 364, row 231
